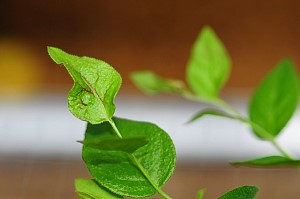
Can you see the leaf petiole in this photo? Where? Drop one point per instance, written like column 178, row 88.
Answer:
column 234, row 114
column 279, row 148
column 237, row 116
column 265, row 134
column 112, row 123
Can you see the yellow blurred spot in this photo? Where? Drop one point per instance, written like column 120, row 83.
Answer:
column 20, row 70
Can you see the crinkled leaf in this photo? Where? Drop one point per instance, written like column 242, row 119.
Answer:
column 116, row 171
column 212, row 112
column 152, row 84
column 244, row 192
column 128, row 145
column 275, row 99
column 96, row 84
column 209, row 65
column 90, row 189
column 269, row 161
column 200, row 193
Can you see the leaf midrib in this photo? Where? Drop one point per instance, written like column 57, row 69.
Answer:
column 96, row 94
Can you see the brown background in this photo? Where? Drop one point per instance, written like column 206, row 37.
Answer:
column 153, row 34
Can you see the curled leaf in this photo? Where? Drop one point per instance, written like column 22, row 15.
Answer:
column 96, row 84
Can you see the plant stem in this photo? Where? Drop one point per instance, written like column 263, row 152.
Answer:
column 112, row 123
column 138, row 164
column 280, row 149
column 259, row 130
column 227, row 107
column 265, row 134
column 216, row 102
column 236, row 115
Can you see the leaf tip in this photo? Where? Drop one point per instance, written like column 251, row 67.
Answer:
column 79, row 141
column 207, row 28
column 56, row 54
column 201, row 193
column 51, row 50
column 207, row 31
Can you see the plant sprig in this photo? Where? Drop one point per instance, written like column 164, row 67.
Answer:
column 138, row 170
column 272, row 104
column 125, row 158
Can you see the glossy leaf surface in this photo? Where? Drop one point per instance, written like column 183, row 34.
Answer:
column 128, row 145
column 117, row 171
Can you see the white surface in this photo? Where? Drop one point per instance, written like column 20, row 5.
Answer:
column 44, row 127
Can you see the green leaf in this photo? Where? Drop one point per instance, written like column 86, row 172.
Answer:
column 118, row 171
column 212, row 112
column 128, row 145
column 90, row 189
column 244, row 192
column 269, row 161
column 275, row 99
column 209, row 65
column 96, row 84
column 152, row 84
column 200, row 193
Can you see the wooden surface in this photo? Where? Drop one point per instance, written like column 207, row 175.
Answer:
column 53, row 179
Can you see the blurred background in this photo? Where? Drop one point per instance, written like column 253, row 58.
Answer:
column 38, row 134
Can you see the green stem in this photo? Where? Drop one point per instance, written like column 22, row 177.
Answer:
column 227, row 107
column 259, row 130
column 265, row 134
column 215, row 102
column 138, row 164
column 279, row 148
column 189, row 95
column 112, row 123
